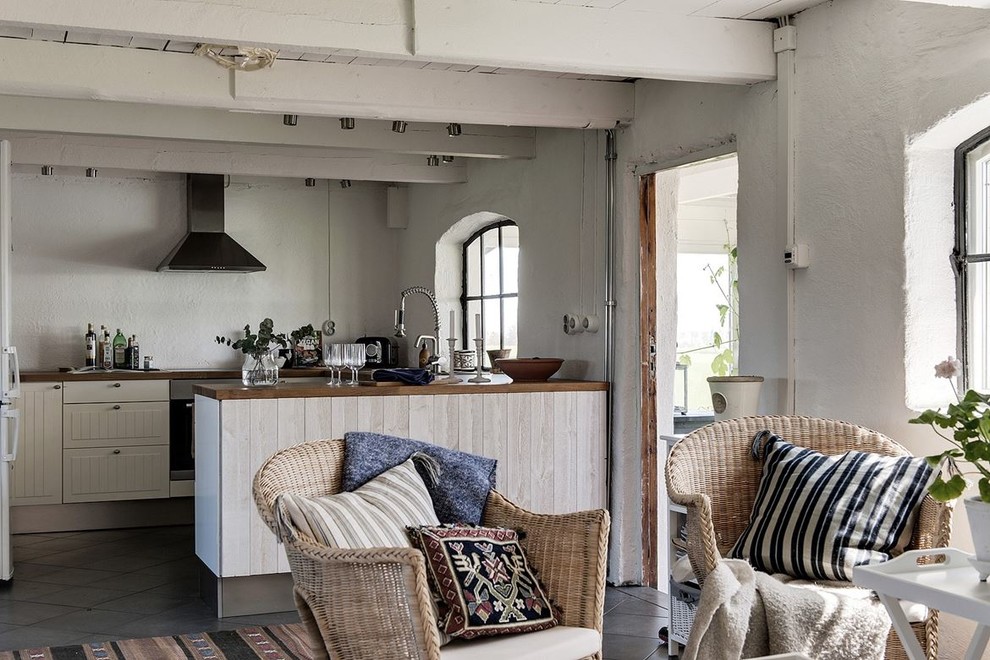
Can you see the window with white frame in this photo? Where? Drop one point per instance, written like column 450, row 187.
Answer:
column 491, row 285
column 972, row 257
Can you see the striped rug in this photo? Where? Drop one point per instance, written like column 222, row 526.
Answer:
column 287, row 642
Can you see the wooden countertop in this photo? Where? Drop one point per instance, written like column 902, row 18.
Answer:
column 499, row 385
column 165, row 374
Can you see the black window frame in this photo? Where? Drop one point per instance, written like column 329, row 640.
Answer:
column 960, row 253
column 501, row 296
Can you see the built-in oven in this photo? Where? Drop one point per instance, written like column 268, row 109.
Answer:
column 182, row 427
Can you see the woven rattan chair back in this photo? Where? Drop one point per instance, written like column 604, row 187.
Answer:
column 313, row 469
column 715, row 460
column 714, row 466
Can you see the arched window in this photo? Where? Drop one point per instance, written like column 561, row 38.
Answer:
column 972, row 257
column 491, row 285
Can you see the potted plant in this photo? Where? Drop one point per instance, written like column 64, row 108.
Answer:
column 966, row 426
column 259, row 366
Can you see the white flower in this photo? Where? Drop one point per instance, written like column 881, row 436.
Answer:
column 950, row 368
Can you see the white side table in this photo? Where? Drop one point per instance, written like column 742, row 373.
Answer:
column 953, row 587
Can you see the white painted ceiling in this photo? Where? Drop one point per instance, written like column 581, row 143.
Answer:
column 750, row 9
column 738, row 9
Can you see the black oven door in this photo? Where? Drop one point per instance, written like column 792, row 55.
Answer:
column 181, row 435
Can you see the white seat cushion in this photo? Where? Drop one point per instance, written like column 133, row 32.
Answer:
column 559, row 643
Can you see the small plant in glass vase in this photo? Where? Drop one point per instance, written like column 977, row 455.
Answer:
column 965, row 425
column 259, row 366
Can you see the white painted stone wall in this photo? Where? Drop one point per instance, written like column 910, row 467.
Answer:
column 86, row 251
column 871, row 75
column 556, row 201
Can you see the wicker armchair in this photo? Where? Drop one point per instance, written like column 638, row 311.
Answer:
column 712, row 473
column 375, row 603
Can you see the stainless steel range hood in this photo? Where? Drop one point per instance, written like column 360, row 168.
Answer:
column 206, row 248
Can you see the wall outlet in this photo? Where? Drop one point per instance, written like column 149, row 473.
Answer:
column 796, row 256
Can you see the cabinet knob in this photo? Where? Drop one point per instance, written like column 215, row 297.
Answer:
column 57, row 387
column 116, row 384
column 116, row 451
column 116, row 407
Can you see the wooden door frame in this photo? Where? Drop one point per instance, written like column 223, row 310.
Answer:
column 648, row 408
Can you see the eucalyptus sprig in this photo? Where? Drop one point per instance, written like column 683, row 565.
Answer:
column 258, row 344
column 966, row 426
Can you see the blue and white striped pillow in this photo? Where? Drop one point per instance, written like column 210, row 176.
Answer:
column 817, row 516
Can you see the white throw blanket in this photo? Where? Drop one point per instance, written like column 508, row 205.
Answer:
column 743, row 613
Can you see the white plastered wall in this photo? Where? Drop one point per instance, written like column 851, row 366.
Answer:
column 872, row 76
column 85, row 250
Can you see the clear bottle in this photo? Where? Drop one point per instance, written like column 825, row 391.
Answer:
column 119, row 351
column 106, row 350
column 135, row 354
column 90, row 346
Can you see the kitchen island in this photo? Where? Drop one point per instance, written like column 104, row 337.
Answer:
column 548, row 438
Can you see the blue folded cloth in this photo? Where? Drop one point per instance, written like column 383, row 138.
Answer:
column 460, row 491
column 407, row 376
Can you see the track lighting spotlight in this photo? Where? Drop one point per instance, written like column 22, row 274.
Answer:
column 433, row 161
column 399, row 126
column 91, row 172
column 290, row 120
column 448, row 159
column 347, row 123
column 345, row 183
column 47, row 170
column 453, row 130
column 310, row 182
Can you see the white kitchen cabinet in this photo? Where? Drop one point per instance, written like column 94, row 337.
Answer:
column 37, row 471
column 115, row 473
column 115, row 424
column 115, row 440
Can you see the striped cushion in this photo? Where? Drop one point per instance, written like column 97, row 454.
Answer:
column 817, row 516
column 373, row 516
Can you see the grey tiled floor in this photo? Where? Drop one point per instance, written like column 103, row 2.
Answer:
column 76, row 587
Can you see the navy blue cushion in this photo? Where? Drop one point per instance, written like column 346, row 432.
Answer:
column 459, row 493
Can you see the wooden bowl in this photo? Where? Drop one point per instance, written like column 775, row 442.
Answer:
column 529, row 370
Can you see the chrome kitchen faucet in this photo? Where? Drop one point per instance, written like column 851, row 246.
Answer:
column 400, row 325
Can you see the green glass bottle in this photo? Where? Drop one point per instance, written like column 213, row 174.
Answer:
column 119, row 351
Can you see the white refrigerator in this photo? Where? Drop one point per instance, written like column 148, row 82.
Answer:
column 10, row 377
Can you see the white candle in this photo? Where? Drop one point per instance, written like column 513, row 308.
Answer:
column 477, row 326
column 450, row 332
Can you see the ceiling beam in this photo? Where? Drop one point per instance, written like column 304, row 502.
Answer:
column 366, row 26
column 576, row 39
column 242, row 160
column 497, row 33
column 980, row 4
column 82, row 72
column 23, row 113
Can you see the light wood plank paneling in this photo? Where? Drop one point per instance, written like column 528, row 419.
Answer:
column 542, row 454
column 36, row 477
column 344, row 416
column 422, row 420
column 519, row 422
column 371, row 414
column 445, row 418
column 470, row 419
column 494, row 444
column 291, row 430
column 319, row 419
column 235, row 497
column 565, row 467
column 264, row 443
column 396, row 416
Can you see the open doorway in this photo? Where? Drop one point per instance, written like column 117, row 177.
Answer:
column 689, row 312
